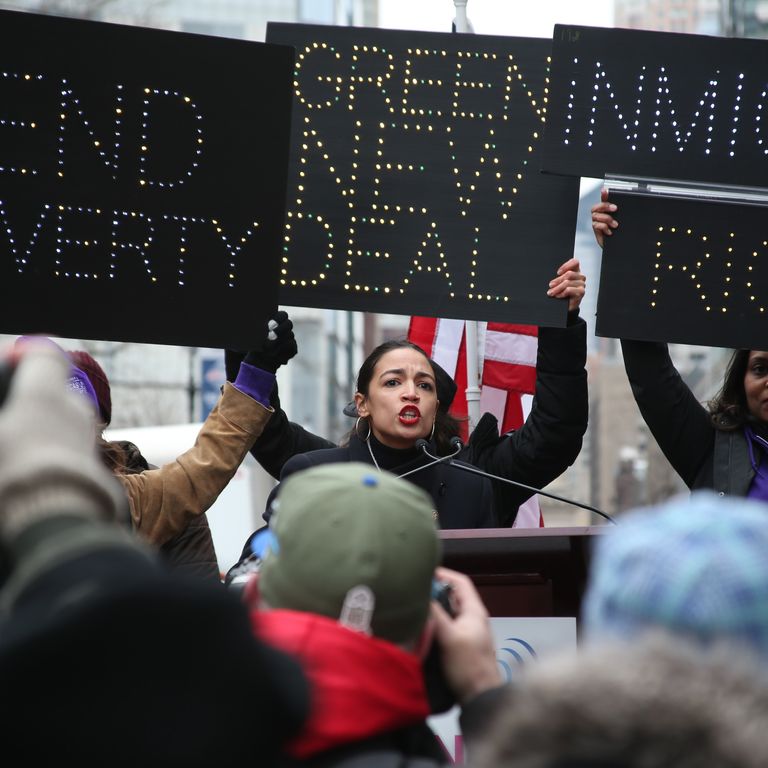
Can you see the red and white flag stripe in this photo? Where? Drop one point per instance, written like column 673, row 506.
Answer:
column 508, row 379
column 508, row 364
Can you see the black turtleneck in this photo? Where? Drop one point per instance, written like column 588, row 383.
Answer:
column 392, row 458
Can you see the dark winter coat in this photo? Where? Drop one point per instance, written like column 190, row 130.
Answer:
column 462, row 499
column 537, row 453
column 141, row 666
column 703, row 456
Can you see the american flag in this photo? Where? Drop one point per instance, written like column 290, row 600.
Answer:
column 508, row 364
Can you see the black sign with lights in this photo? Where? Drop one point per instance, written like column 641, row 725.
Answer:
column 658, row 105
column 142, row 182
column 685, row 271
column 414, row 185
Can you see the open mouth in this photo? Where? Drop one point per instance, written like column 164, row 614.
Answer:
column 409, row 415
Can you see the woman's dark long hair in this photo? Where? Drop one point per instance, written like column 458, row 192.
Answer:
column 120, row 456
column 446, row 426
column 729, row 408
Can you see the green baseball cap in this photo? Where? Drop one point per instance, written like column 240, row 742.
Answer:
column 354, row 544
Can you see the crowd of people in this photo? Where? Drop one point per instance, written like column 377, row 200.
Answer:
column 120, row 644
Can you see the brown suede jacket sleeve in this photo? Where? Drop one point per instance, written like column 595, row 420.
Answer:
column 164, row 500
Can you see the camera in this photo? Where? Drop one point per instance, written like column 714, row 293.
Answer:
column 240, row 573
column 441, row 697
column 441, row 592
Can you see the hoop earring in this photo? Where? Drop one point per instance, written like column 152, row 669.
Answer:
column 357, row 431
column 432, row 433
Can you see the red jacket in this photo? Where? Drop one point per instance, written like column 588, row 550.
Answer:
column 360, row 686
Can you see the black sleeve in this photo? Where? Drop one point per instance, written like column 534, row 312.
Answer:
column 479, row 712
column 282, row 439
column 294, row 464
column 192, row 551
column 679, row 423
column 487, row 514
column 550, row 440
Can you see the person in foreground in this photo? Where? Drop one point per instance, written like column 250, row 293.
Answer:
column 656, row 703
column 346, row 585
column 723, row 446
column 673, row 672
column 541, row 450
column 693, row 566
column 80, row 596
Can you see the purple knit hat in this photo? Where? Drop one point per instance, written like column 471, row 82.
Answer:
column 79, row 382
column 98, row 380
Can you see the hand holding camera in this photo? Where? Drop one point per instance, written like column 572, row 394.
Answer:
column 463, row 634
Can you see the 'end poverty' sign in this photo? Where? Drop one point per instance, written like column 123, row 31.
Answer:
column 142, row 181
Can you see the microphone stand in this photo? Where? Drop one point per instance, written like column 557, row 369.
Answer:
column 474, row 470
column 423, row 444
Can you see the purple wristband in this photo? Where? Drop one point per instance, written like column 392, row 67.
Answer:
column 255, row 383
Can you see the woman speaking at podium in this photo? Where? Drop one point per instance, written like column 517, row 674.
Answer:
column 402, row 400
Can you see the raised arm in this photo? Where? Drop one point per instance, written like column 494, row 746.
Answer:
column 551, row 438
column 164, row 500
column 677, row 420
column 281, row 439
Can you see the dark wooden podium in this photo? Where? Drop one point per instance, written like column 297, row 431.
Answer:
column 525, row 571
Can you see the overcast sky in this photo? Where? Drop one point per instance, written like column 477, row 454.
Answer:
column 523, row 18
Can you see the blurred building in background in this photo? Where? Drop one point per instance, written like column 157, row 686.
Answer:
column 731, row 18
column 704, row 17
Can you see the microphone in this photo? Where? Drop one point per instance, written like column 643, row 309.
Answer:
column 456, row 441
column 423, row 445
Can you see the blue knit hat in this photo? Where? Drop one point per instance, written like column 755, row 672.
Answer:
column 696, row 566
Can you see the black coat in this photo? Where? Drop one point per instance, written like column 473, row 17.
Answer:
column 703, row 456
column 537, row 453
column 140, row 666
column 462, row 499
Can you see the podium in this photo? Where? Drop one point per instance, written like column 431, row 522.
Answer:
column 532, row 572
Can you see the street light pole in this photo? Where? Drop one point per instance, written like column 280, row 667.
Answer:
column 191, row 384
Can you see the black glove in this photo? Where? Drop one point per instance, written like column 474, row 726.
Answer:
column 277, row 348
column 232, row 360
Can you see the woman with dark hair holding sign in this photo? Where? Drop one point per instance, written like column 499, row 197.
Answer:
column 721, row 447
